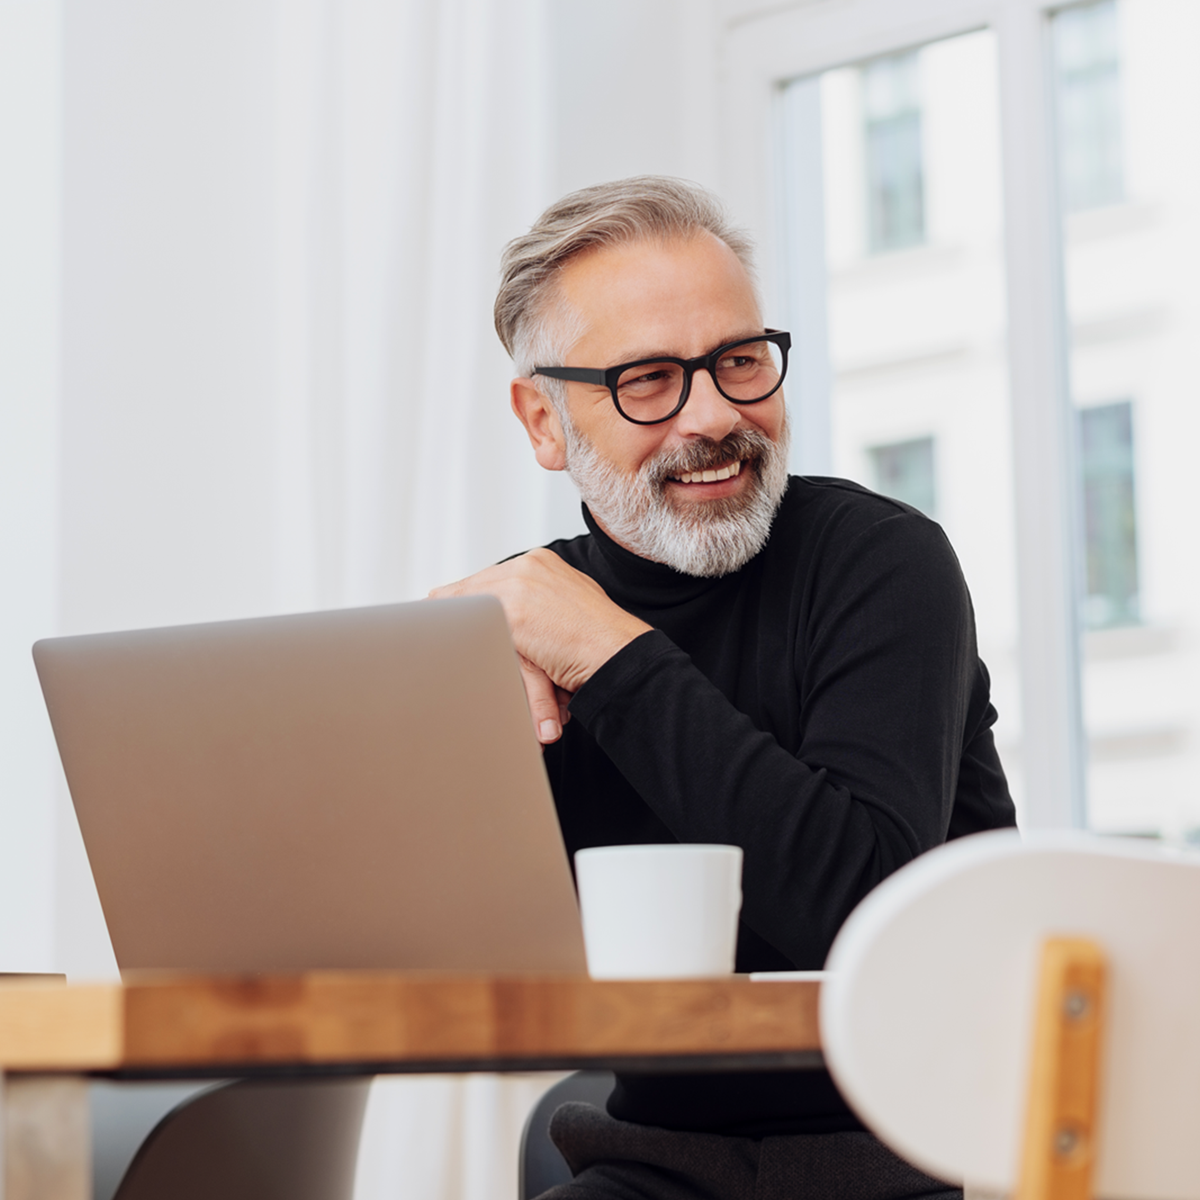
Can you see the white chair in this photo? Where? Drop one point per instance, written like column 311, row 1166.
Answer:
column 929, row 1015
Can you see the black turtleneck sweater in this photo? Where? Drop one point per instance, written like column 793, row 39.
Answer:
column 824, row 708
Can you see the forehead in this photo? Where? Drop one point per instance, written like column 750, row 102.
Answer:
column 679, row 296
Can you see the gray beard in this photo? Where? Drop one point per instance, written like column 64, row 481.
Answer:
column 707, row 539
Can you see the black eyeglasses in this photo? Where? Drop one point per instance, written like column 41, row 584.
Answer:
column 655, row 389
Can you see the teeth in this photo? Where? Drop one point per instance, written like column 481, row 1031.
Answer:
column 711, row 476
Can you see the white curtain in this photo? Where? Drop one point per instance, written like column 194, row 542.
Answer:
column 410, row 146
column 445, row 1137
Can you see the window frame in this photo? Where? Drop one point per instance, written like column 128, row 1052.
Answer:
column 763, row 50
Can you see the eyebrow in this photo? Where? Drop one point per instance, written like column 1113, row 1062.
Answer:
column 645, row 355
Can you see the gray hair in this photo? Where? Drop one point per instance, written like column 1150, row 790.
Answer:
column 535, row 325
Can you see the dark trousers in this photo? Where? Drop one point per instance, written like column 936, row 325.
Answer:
column 616, row 1160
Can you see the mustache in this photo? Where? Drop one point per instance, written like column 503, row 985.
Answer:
column 743, row 445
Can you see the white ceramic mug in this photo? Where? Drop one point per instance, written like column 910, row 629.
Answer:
column 659, row 912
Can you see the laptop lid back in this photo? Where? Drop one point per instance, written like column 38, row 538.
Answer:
column 349, row 789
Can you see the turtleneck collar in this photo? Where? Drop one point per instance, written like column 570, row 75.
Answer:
column 631, row 579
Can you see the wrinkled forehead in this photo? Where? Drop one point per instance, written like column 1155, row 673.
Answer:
column 673, row 295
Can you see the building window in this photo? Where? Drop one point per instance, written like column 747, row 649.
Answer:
column 892, row 135
column 904, row 471
column 1110, row 525
column 1089, row 105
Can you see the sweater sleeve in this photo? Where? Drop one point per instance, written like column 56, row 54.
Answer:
column 888, row 691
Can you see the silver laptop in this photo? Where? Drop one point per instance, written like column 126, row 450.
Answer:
column 358, row 788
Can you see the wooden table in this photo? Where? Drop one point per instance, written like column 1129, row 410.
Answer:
column 53, row 1036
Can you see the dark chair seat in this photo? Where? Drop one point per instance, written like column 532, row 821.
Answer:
column 541, row 1167
column 250, row 1140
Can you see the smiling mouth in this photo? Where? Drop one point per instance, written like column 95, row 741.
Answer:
column 713, row 475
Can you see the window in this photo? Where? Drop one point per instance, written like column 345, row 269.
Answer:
column 967, row 340
column 1089, row 111
column 904, row 471
column 1110, row 531
column 892, row 138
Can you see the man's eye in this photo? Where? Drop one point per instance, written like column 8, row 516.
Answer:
column 648, row 378
column 737, row 362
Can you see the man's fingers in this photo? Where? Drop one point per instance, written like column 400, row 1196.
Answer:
column 559, row 618
column 564, row 698
column 543, row 699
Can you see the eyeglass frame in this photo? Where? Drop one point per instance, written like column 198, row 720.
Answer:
column 609, row 376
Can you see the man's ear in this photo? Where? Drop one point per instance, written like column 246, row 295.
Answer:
column 541, row 422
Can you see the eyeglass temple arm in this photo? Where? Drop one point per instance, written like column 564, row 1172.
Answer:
column 573, row 374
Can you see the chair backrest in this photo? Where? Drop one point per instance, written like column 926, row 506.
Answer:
column 927, row 1018
column 123, row 1114
column 254, row 1140
column 540, row 1166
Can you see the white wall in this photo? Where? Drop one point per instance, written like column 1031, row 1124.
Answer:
column 30, row 105
column 167, row 289
column 634, row 90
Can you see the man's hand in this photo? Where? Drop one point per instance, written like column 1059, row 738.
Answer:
column 563, row 626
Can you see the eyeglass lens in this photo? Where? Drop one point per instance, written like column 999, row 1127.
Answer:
column 745, row 373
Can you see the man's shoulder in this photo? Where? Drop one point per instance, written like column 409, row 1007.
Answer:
column 815, row 505
column 831, row 490
column 575, row 551
column 849, row 536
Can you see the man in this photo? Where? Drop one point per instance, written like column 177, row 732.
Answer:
column 729, row 655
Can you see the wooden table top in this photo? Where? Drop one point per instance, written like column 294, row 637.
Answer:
column 382, row 1021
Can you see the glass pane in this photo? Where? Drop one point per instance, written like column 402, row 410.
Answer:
column 905, row 150
column 892, row 151
column 1128, row 116
column 1087, row 85
column 905, row 470
column 1109, row 515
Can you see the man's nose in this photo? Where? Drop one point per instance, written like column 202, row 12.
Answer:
column 707, row 413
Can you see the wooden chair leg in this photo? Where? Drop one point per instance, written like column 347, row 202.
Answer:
column 1064, row 1087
